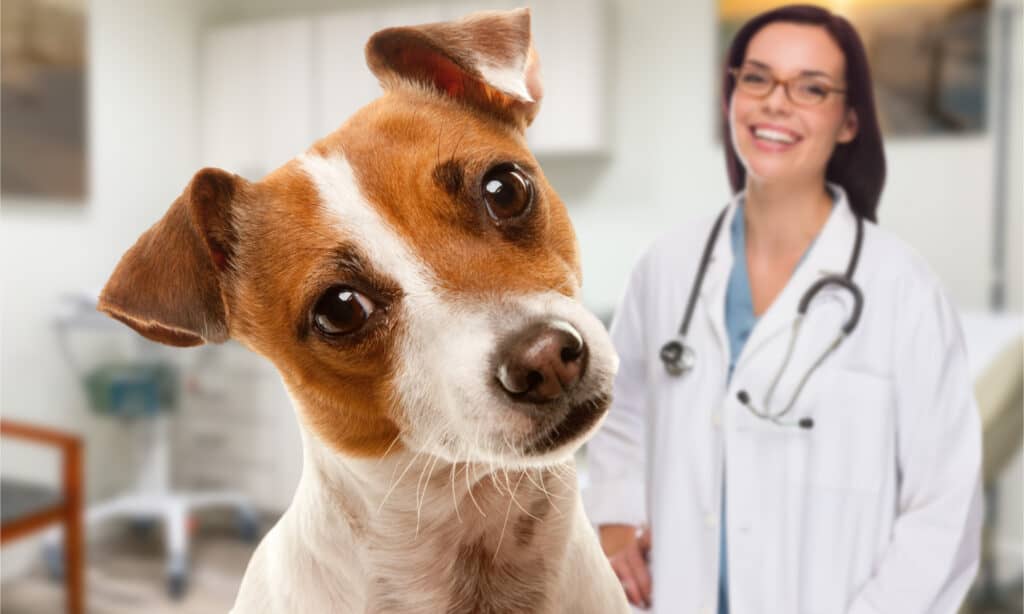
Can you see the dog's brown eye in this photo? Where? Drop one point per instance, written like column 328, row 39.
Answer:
column 508, row 192
column 341, row 310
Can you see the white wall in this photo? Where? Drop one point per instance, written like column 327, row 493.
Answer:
column 143, row 149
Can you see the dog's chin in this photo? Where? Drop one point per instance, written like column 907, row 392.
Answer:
column 563, row 436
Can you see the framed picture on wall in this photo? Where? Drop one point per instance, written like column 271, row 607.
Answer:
column 929, row 58
column 43, row 90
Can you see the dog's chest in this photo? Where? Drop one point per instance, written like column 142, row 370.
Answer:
column 482, row 565
column 471, row 581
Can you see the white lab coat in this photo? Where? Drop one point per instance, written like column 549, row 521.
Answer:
column 877, row 509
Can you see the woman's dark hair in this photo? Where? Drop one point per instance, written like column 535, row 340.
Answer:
column 858, row 166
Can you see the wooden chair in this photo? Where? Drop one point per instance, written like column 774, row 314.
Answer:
column 26, row 508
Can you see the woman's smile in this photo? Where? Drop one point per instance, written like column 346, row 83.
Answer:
column 773, row 138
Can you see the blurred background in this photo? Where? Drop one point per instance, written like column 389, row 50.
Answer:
column 140, row 478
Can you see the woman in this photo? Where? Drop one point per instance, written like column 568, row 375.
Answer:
column 793, row 468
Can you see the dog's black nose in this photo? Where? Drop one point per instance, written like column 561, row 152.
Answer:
column 542, row 362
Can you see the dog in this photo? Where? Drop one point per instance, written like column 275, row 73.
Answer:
column 415, row 280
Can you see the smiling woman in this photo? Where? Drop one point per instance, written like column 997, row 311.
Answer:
column 797, row 448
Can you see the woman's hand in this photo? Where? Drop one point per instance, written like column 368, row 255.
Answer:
column 626, row 547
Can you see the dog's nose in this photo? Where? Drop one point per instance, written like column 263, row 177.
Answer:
column 543, row 362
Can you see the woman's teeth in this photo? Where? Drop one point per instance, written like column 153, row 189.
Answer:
column 775, row 136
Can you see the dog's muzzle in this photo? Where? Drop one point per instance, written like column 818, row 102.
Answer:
column 540, row 369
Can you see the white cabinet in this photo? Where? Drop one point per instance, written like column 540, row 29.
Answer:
column 344, row 83
column 257, row 92
column 271, row 88
column 569, row 36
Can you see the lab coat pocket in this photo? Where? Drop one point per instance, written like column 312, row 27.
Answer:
column 852, row 442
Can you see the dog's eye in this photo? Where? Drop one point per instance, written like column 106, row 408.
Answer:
column 341, row 310
column 508, row 192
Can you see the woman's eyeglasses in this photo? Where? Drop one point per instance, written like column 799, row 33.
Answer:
column 804, row 90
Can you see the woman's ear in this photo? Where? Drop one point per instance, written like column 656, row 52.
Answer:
column 848, row 131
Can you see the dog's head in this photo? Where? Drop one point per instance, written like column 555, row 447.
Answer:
column 412, row 275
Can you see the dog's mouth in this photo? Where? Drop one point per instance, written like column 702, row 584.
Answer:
column 578, row 419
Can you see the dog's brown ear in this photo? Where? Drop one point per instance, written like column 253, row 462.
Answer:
column 168, row 286
column 484, row 59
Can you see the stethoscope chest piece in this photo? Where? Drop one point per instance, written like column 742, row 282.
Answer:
column 679, row 358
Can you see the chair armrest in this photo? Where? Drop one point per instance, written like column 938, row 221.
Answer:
column 71, row 456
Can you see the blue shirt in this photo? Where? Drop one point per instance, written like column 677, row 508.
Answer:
column 739, row 322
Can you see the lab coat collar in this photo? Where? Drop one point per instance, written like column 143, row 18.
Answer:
column 829, row 254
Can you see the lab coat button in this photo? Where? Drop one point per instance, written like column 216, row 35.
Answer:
column 711, row 520
column 716, row 420
column 706, row 610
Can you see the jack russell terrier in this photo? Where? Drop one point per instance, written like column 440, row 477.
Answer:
column 414, row 279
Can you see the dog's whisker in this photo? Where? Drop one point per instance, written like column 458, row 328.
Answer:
column 390, row 445
column 409, row 466
column 492, row 474
column 508, row 484
column 520, row 505
column 540, row 476
column 394, row 484
column 532, row 481
column 556, row 472
column 469, row 490
column 490, row 462
column 455, row 502
column 419, row 500
column 504, row 526
column 540, row 486
column 512, row 449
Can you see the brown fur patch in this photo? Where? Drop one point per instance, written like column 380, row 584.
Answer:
column 291, row 252
column 394, row 145
column 526, row 525
column 450, row 176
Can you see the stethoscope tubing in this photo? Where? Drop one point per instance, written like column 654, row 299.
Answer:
column 679, row 357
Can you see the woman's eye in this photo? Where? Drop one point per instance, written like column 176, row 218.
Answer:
column 753, row 78
column 814, row 89
column 508, row 192
column 341, row 310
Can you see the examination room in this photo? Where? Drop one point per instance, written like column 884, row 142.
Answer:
column 698, row 306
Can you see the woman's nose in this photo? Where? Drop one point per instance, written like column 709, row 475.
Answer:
column 777, row 100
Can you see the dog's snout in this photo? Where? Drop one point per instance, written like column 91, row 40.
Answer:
column 543, row 362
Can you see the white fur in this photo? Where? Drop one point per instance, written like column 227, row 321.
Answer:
column 510, row 79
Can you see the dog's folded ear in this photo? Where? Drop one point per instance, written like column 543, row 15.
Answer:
column 484, row 59
column 169, row 285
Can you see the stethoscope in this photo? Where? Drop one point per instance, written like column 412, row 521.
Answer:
column 680, row 358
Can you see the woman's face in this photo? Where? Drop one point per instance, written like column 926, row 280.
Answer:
column 776, row 139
